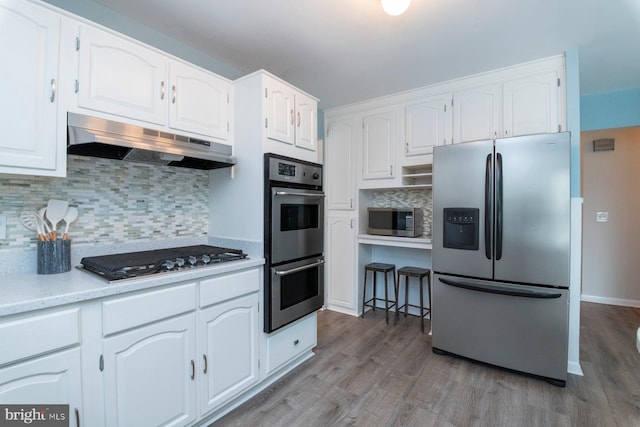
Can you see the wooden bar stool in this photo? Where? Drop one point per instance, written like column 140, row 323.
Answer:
column 419, row 273
column 379, row 267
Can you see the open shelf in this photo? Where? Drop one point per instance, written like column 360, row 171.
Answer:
column 419, row 176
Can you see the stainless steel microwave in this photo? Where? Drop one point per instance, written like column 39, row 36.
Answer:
column 404, row 222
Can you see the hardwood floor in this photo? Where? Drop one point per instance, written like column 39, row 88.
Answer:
column 366, row 373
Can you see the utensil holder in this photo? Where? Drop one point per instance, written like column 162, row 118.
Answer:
column 54, row 257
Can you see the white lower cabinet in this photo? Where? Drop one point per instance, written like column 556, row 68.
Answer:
column 228, row 336
column 342, row 260
column 51, row 379
column 291, row 342
column 172, row 355
column 40, row 360
column 149, row 374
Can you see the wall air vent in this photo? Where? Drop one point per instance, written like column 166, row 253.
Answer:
column 605, row 144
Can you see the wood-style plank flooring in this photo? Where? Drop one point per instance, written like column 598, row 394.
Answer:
column 366, row 373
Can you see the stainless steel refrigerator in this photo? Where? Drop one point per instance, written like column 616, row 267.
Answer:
column 501, row 246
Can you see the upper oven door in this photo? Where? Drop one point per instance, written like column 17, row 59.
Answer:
column 297, row 218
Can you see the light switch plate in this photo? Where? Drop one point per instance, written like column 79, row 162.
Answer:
column 3, row 227
column 602, row 216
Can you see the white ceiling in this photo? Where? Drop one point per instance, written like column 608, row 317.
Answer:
column 343, row 51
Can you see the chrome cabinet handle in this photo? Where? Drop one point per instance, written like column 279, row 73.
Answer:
column 292, row 118
column 53, row 90
column 77, row 417
column 295, row 270
column 296, row 342
column 204, row 356
column 162, row 90
column 173, row 94
column 193, row 369
column 293, row 193
column 298, row 118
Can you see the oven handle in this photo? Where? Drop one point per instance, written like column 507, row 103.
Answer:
column 295, row 270
column 291, row 193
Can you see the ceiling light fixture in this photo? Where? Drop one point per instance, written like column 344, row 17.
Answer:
column 395, row 7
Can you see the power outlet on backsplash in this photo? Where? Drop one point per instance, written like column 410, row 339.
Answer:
column 3, row 227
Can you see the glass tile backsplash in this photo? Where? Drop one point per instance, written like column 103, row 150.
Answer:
column 118, row 202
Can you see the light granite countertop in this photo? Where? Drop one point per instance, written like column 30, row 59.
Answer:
column 22, row 292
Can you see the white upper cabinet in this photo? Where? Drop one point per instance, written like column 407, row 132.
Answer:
column 29, row 46
column 531, row 104
column 526, row 100
column 199, row 101
column 291, row 116
column 427, row 124
column 120, row 77
column 340, row 162
column 306, row 122
column 280, row 111
column 477, row 112
column 378, row 143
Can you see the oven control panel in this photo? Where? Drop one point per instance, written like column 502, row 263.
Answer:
column 293, row 171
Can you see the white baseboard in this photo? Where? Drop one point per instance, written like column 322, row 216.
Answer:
column 574, row 368
column 610, row 301
column 337, row 308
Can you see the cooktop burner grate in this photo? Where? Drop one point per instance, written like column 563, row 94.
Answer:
column 135, row 264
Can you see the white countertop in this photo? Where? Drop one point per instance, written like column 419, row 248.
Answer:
column 402, row 242
column 21, row 292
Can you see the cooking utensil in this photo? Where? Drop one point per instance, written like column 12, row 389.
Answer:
column 56, row 210
column 46, row 226
column 70, row 216
column 31, row 221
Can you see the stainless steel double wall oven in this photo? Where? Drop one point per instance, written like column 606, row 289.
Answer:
column 293, row 239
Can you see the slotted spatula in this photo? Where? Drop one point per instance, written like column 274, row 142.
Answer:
column 56, row 210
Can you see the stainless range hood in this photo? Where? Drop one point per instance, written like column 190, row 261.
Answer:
column 96, row 137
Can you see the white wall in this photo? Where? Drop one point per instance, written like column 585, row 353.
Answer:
column 611, row 262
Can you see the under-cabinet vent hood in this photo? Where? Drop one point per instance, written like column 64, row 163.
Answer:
column 96, row 137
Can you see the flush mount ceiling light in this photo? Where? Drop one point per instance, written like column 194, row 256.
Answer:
column 395, row 7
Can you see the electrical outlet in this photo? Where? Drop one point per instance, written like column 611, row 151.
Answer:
column 3, row 227
column 602, row 216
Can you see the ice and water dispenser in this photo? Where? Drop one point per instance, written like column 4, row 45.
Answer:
column 461, row 228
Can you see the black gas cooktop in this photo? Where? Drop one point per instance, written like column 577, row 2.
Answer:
column 136, row 264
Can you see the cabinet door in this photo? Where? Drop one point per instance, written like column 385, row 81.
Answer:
column 29, row 38
column 476, row 113
column 53, row 379
column 120, row 77
column 378, row 144
column 531, row 104
column 342, row 283
column 280, row 111
column 340, row 163
column 149, row 374
column 229, row 335
column 306, row 122
column 426, row 125
column 199, row 102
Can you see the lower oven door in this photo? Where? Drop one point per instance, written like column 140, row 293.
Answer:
column 296, row 289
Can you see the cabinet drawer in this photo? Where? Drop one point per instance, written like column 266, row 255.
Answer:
column 146, row 307
column 222, row 288
column 290, row 342
column 30, row 336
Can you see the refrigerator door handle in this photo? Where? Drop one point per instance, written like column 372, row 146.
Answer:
column 499, row 289
column 499, row 206
column 488, row 178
